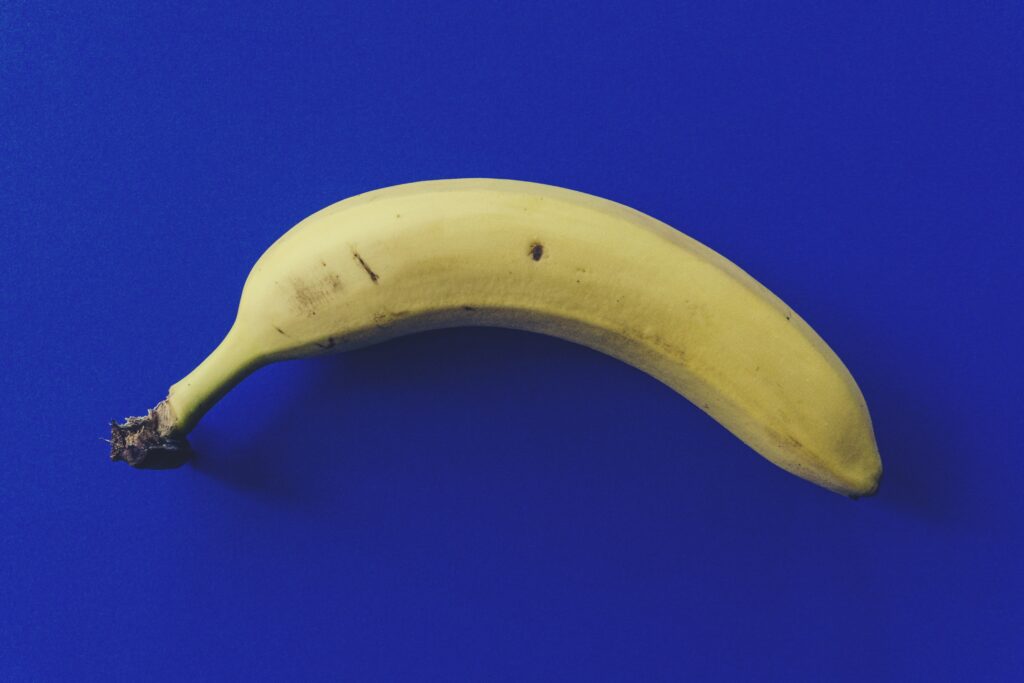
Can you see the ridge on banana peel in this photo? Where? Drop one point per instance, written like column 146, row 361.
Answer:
column 504, row 253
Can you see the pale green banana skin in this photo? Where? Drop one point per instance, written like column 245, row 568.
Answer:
column 535, row 257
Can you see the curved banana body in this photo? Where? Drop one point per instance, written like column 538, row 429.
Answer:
column 534, row 257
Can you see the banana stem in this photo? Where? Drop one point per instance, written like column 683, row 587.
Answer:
column 157, row 440
column 190, row 398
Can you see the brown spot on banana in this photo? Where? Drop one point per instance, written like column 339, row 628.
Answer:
column 383, row 319
column 310, row 298
column 333, row 281
column 369, row 271
column 306, row 297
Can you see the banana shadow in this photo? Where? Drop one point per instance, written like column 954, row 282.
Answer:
column 310, row 446
column 286, row 457
column 921, row 455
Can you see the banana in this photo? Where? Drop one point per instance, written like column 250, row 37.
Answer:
column 535, row 257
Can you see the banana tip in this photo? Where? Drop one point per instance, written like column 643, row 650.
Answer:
column 871, row 490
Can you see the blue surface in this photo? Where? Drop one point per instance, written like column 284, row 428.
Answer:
column 484, row 504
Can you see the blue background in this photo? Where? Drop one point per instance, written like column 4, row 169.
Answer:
column 486, row 504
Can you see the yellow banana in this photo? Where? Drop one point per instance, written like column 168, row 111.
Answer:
column 535, row 257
